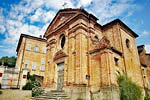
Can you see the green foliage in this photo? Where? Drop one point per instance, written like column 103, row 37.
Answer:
column 79, row 98
column 35, row 84
column 8, row 61
column 28, row 86
column 31, row 85
column 128, row 89
column 31, row 77
column 147, row 98
column 37, row 91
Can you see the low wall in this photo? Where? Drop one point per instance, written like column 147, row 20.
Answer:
column 7, row 94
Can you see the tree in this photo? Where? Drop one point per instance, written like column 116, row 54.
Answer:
column 8, row 61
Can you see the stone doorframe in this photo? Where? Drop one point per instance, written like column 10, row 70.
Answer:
column 59, row 59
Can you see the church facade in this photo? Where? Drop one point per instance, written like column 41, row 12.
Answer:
column 83, row 57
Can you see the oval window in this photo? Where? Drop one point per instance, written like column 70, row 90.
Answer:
column 62, row 41
column 96, row 38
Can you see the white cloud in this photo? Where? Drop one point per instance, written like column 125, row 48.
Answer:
column 20, row 15
column 108, row 9
column 37, row 15
column 2, row 29
column 42, row 16
column 145, row 32
column 58, row 4
column 9, row 50
column 147, row 47
column 84, row 3
column 1, row 46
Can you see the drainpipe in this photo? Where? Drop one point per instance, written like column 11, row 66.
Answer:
column 21, row 64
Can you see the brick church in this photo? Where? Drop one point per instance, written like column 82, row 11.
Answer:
column 83, row 57
column 81, row 52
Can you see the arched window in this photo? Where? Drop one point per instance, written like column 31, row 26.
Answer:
column 62, row 40
column 127, row 43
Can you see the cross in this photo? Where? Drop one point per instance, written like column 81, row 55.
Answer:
column 64, row 4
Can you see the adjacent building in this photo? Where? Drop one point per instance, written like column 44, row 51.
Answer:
column 31, row 53
column 8, row 77
column 145, row 65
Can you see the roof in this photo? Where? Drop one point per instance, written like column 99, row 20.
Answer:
column 69, row 10
column 30, row 37
column 122, row 24
column 95, row 18
column 140, row 46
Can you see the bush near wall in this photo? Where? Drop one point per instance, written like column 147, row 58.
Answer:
column 33, row 85
column 128, row 89
column 147, row 98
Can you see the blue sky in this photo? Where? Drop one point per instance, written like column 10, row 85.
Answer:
column 33, row 17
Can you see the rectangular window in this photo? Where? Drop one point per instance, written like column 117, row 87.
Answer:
column 36, row 48
column 42, row 68
column 116, row 61
column 1, row 74
column 33, row 66
column 44, row 50
column 28, row 47
column 42, row 61
column 26, row 64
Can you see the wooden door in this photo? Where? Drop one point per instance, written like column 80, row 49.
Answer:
column 60, row 79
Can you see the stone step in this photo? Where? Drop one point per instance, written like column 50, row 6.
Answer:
column 52, row 95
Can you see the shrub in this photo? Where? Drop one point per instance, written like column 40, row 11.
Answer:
column 28, row 86
column 35, row 84
column 32, row 77
column 36, row 91
column 128, row 89
column 79, row 98
column 147, row 98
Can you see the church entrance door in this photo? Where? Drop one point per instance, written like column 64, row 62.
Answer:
column 60, row 79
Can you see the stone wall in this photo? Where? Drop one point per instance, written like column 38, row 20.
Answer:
column 15, row 94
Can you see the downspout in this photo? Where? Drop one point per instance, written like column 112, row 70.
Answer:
column 21, row 64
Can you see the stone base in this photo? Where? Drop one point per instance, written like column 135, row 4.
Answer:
column 106, row 93
column 103, row 93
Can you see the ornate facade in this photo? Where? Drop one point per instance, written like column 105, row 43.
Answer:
column 84, row 57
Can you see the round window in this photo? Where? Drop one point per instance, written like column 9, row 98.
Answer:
column 62, row 41
column 127, row 43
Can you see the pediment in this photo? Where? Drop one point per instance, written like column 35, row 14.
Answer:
column 103, row 43
column 59, row 55
column 60, row 19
